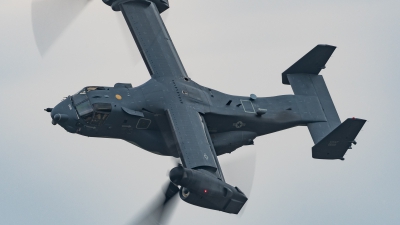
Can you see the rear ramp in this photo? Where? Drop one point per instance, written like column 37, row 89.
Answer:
column 332, row 138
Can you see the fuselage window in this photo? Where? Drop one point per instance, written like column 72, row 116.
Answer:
column 143, row 123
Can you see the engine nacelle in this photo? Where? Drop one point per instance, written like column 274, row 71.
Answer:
column 205, row 190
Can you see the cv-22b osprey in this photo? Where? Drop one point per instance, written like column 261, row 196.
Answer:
column 172, row 115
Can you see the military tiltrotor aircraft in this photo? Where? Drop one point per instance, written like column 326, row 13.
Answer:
column 172, row 115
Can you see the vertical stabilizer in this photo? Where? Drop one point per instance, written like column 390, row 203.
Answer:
column 331, row 137
column 311, row 63
column 314, row 85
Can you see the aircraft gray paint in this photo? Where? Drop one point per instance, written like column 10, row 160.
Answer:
column 172, row 115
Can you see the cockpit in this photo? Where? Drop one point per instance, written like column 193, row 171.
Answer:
column 91, row 113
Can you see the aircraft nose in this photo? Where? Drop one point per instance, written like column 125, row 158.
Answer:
column 60, row 118
column 52, row 114
column 56, row 113
column 63, row 115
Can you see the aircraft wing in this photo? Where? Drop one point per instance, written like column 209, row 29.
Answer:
column 152, row 38
column 192, row 139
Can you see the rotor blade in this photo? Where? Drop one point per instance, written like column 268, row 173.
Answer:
column 158, row 212
column 129, row 41
column 51, row 17
column 165, row 15
column 239, row 169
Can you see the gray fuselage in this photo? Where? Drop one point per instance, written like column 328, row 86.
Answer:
column 137, row 115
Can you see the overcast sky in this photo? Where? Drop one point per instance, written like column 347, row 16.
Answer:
column 49, row 176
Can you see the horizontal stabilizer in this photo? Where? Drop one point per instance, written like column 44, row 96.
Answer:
column 336, row 143
column 311, row 63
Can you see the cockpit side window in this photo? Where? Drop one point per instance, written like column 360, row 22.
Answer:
column 102, row 107
column 102, row 110
column 87, row 117
column 99, row 118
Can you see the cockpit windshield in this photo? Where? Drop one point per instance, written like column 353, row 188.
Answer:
column 84, row 108
column 82, row 103
column 94, row 114
column 79, row 97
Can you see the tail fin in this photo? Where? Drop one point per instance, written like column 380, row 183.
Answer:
column 304, row 79
column 312, row 63
column 336, row 143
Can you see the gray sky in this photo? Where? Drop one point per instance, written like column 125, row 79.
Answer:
column 48, row 176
